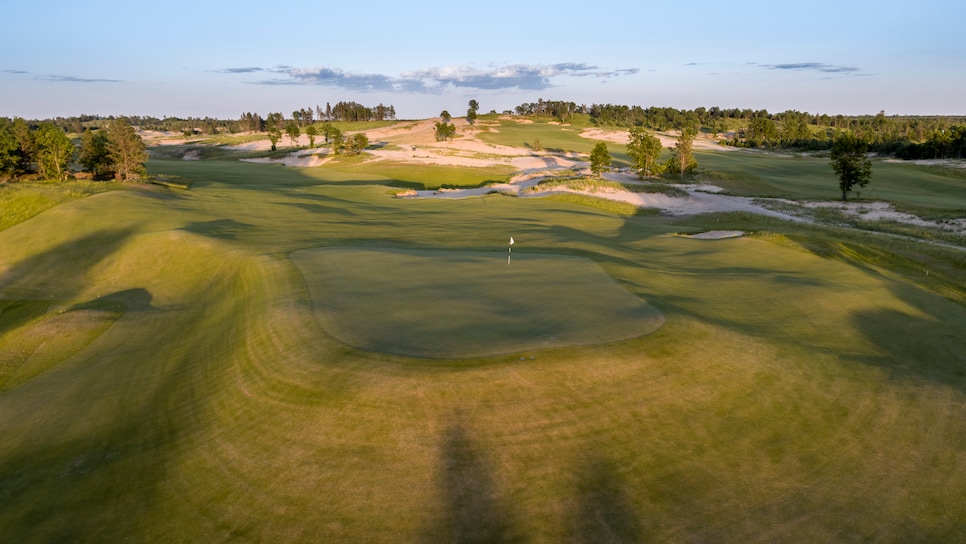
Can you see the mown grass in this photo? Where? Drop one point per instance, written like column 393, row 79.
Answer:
column 797, row 177
column 453, row 304
column 810, row 379
column 21, row 201
column 552, row 137
column 426, row 177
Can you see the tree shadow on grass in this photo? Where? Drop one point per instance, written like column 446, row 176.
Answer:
column 475, row 512
column 223, row 229
column 98, row 482
column 42, row 277
column 603, row 510
column 129, row 300
column 915, row 347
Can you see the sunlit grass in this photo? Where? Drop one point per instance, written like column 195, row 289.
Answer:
column 167, row 378
column 21, row 201
column 417, row 176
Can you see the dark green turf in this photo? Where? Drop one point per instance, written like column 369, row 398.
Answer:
column 452, row 304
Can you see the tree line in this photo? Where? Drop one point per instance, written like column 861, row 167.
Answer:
column 907, row 137
column 45, row 149
column 248, row 121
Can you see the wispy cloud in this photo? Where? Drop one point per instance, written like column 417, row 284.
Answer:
column 247, row 70
column 336, row 77
column 14, row 71
column 280, row 69
column 72, row 79
column 813, row 66
column 513, row 76
column 607, row 73
column 432, row 80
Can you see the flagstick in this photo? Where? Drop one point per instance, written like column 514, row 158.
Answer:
column 509, row 250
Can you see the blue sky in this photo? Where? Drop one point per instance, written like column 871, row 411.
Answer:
column 221, row 58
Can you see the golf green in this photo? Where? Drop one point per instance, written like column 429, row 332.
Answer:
column 452, row 304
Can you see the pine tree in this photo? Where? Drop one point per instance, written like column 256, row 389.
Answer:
column 126, row 149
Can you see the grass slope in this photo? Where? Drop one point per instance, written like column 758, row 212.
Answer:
column 553, row 137
column 799, row 390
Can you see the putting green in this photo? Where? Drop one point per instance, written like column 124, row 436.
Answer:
column 453, row 304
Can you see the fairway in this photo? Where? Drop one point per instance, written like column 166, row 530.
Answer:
column 468, row 304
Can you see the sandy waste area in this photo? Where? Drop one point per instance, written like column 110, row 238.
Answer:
column 415, row 143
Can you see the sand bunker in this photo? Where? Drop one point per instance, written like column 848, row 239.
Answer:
column 307, row 158
column 715, row 234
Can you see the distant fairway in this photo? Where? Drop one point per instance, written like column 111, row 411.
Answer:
column 468, row 304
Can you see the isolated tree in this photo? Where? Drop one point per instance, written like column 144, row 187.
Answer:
column 274, row 135
column 357, row 143
column 445, row 116
column 849, row 162
column 293, row 132
column 93, row 154
column 328, row 130
column 126, row 149
column 682, row 155
column 644, row 149
column 338, row 140
column 444, row 131
column 599, row 159
column 55, row 152
column 472, row 111
column 273, row 125
column 311, row 132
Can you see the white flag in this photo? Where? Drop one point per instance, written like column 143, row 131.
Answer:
column 511, row 240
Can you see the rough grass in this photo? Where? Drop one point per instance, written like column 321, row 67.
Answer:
column 656, row 188
column 808, row 384
column 612, row 206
